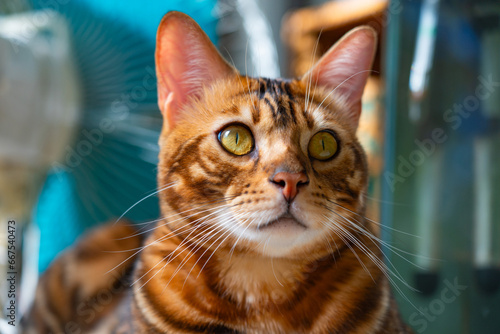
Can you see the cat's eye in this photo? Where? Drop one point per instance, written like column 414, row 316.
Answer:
column 323, row 146
column 236, row 139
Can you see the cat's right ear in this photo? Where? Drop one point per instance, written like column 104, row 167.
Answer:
column 186, row 60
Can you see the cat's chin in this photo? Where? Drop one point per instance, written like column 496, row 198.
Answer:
column 282, row 236
column 285, row 224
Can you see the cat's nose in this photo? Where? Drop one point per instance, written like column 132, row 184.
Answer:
column 290, row 183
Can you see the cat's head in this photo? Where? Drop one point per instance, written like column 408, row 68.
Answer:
column 261, row 165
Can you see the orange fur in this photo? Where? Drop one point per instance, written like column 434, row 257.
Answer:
column 233, row 252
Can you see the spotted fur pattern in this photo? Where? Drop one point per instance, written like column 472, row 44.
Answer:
column 217, row 261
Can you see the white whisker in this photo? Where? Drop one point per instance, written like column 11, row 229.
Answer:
column 170, row 185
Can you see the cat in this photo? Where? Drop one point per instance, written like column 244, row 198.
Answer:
column 261, row 185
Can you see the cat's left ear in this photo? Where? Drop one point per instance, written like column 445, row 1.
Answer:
column 186, row 61
column 345, row 68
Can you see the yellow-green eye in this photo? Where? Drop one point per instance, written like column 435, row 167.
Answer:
column 236, row 139
column 322, row 146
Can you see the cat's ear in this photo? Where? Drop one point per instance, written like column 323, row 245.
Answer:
column 345, row 68
column 186, row 60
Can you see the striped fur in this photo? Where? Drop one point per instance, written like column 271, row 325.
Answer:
column 212, row 264
column 84, row 285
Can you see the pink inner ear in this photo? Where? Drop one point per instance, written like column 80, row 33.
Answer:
column 186, row 60
column 345, row 68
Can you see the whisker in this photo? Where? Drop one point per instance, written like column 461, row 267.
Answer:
column 241, row 234
column 199, row 244
column 169, row 258
column 174, row 232
column 366, row 232
column 230, row 233
column 170, row 185
column 372, row 221
column 163, row 238
column 204, row 241
column 202, row 204
column 384, row 269
column 180, row 213
column 370, row 237
column 274, row 273
column 183, row 242
column 379, row 263
column 309, row 83
column 342, row 234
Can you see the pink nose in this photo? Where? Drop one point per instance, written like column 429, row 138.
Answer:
column 290, row 182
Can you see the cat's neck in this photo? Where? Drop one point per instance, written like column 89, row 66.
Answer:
column 239, row 285
column 254, row 280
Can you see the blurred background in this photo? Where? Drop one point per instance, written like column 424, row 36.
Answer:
column 79, row 126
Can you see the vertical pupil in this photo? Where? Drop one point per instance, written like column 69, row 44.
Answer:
column 237, row 137
column 323, row 144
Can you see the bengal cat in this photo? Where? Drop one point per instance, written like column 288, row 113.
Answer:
column 261, row 185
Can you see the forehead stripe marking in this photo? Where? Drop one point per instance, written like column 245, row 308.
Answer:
column 291, row 101
column 255, row 114
column 271, row 106
column 280, row 92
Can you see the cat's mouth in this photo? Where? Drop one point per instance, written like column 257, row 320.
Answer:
column 284, row 222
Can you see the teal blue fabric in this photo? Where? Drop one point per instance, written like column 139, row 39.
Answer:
column 57, row 215
column 104, row 173
column 144, row 16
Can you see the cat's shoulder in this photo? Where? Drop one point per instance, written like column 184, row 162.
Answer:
column 86, row 282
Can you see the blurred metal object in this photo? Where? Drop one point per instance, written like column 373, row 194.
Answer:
column 245, row 36
column 39, row 109
column 486, row 227
column 486, row 215
column 13, row 6
column 423, row 57
column 427, row 188
column 38, row 89
column 442, row 162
